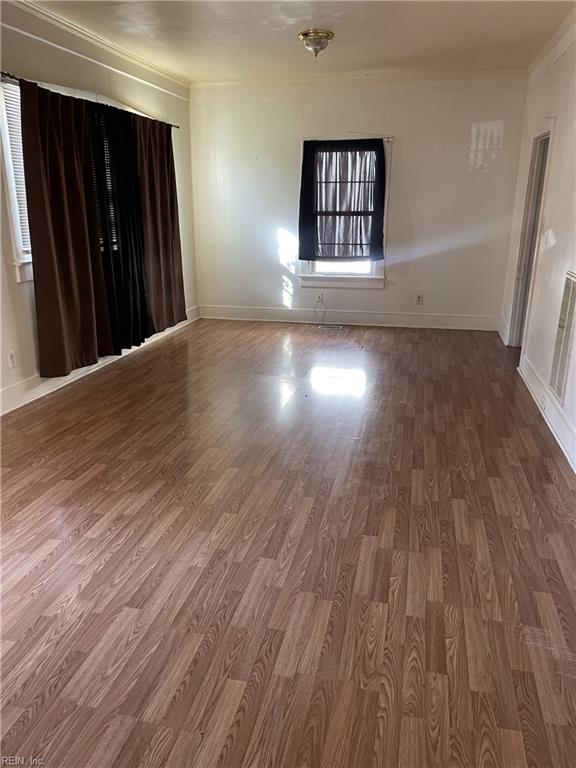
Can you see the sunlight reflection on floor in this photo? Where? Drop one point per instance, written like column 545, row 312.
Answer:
column 338, row 381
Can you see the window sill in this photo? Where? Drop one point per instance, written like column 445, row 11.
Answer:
column 342, row 281
column 24, row 271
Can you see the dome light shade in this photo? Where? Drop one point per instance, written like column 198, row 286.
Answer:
column 315, row 40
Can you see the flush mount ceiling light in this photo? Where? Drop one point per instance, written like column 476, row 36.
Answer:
column 315, row 40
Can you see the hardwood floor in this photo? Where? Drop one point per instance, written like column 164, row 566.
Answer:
column 273, row 545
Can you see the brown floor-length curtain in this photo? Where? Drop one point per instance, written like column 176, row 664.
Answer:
column 163, row 254
column 70, row 295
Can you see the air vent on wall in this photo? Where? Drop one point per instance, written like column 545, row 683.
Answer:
column 564, row 337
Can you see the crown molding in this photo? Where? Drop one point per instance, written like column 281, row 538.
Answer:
column 96, row 40
column 560, row 42
column 109, row 67
column 392, row 75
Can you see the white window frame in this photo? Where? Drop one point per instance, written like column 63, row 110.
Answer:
column 313, row 273
column 22, row 257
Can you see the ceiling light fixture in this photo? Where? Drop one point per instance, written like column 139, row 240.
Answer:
column 315, row 40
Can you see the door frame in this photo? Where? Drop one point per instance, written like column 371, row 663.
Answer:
column 522, row 286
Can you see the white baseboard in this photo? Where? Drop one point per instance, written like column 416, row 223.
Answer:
column 352, row 317
column 22, row 392
column 504, row 332
column 560, row 426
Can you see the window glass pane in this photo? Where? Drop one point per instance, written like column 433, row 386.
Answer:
column 343, row 236
column 343, row 267
column 345, row 183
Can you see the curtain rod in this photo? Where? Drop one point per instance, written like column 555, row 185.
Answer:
column 356, row 135
column 8, row 77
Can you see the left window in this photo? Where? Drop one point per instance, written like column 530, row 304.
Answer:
column 11, row 131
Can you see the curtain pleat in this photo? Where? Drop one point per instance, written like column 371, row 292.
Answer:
column 69, row 291
column 121, row 230
column 307, row 217
column 163, row 253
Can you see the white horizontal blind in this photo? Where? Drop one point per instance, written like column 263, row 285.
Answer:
column 564, row 338
column 12, row 136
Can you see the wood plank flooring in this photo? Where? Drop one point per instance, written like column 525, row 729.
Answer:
column 265, row 545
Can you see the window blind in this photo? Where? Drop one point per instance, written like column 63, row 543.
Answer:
column 13, row 137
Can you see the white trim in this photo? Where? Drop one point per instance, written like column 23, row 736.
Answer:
column 560, row 42
column 92, row 38
column 503, row 331
column 352, row 317
column 393, row 75
column 15, row 395
column 519, row 321
column 555, row 417
column 24, row 271
column 116, row 71
column 342, row 281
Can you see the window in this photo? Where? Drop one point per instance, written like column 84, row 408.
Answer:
column 11, row 133
column 99, row 143
column 14, row 164
column 342, row 206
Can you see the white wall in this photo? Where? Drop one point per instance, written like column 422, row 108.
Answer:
column 450, row 210
column 551, row 105
column 41, row 51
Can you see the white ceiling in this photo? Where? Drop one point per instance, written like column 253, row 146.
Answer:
column 230, row 41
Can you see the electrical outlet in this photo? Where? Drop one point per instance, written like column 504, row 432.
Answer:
column 12, row 359
column 420, row 298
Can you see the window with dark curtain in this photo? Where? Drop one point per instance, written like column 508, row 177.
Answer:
column 342, row 200
column 104, row 228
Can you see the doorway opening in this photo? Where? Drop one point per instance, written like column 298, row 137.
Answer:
column 529, row 237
